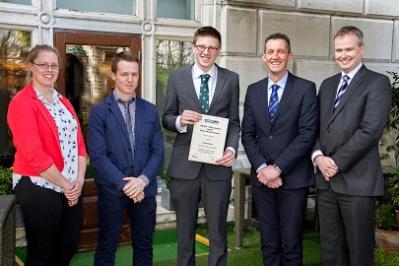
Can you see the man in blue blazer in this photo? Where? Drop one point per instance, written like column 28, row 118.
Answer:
column 126, row 148
column 279, row 128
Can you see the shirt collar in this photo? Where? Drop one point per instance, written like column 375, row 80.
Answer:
column 281, row 83
column 353, row 72
column 196, row 71
column 117, row 98
column 54, row 94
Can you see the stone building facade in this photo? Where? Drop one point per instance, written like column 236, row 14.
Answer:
column 310, row 24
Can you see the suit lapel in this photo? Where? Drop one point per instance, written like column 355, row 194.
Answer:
column 189, row 87
column 219, row 86
column 263, row 98
column 330, row 95
column 353, row 85
column 116, row 112
column 138, row 123
column 286, row 94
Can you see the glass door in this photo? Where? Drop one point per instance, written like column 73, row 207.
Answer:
column 85, row 76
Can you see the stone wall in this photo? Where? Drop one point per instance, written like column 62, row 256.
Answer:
column 311, row 25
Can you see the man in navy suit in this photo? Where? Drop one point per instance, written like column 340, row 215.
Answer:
column 126, row 148
column 279, row 128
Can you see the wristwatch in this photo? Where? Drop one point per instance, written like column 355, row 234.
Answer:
column 277, row 168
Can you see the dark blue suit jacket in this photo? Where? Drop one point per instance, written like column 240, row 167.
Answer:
column 109, row 148
column 287, row 142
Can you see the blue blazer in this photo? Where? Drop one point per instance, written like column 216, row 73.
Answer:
column 287, row 142
column 109, row 147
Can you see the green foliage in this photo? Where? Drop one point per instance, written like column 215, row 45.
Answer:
column 5, row 181
column 393, row 122
column 385, row 216
column 163, row 173
column 386, row 258
column 393, row 188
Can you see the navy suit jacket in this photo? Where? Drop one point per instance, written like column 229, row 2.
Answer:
column 287, row 142
column 109, row 147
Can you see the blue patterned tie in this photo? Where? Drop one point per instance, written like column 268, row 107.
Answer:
column 341, row 90
column 273, row 102
column 204, row 93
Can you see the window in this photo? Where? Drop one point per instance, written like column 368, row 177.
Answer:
column 177, row 9
column 19, row 2
column 14, row 46
column 123, row 7
column 170, row 54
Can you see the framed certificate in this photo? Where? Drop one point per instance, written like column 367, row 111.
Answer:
column 208, row 139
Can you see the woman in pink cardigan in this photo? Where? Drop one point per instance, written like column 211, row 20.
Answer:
column 50, row 162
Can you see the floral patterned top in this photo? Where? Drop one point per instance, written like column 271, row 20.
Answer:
column 67, row 133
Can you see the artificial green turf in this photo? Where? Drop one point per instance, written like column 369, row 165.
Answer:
column 250, row 254
column 164, row 248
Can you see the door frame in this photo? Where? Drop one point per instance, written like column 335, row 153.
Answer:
column 64, row 37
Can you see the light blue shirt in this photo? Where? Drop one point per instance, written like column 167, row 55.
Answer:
column 281, row 83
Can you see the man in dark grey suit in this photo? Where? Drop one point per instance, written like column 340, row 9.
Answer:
column 354, row 107
column 192, row 182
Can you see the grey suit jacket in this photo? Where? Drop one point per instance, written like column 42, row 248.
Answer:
column 351, row 133
column 181, row 96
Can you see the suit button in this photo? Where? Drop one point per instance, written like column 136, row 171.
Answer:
column 270, row 137
column 129, row 149
column 328, row 131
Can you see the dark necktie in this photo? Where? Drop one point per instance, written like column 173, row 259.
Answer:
column 341, row 90
column 204, row 93
column 273, row 102
column 128, row 121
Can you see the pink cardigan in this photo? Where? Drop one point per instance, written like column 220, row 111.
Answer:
column 35, row 134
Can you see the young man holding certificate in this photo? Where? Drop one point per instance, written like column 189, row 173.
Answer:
column 193, row 91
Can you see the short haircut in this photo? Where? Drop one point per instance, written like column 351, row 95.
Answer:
column 207, row 31
column 347, row 30
column 276, row 36
column 123, row 56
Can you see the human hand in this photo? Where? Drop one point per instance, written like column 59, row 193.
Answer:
column 139, row 197
column 276, row 183
column 189, row 117
column 327, row 167
column 227, row 159
column 74, row 190
column 267, row 174
column 134, row 186
column 72, row 203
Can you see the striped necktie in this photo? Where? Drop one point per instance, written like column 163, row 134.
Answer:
column 273, row 102
column 341, row 90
